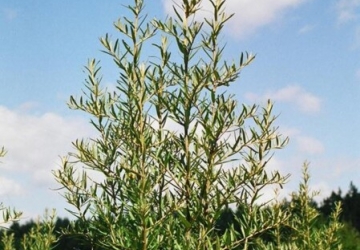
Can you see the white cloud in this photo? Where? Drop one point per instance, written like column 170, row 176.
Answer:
column 304, row 143
column 250, row 15
column 34, row 143
column 10, row 187
column 290, row 132
column 27, row 106
column 309, row 145
column 303, row 100
column 347, row 10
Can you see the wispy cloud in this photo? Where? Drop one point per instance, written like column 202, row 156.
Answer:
column 304, row 143
column 306, row 28
column 250, row 15
column 347, row 10
column 306, row 102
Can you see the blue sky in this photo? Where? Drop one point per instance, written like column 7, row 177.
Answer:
column 307, row 62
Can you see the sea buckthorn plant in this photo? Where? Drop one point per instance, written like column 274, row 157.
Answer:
column 174, row 149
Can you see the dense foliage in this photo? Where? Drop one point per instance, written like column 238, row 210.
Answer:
column 173, row 148
column 349, row 237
